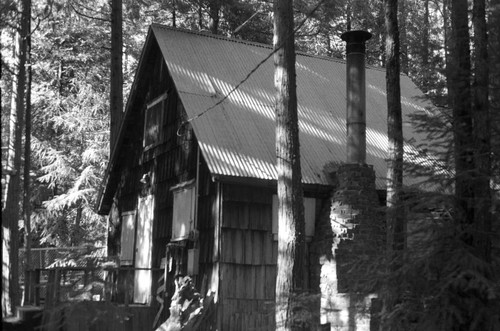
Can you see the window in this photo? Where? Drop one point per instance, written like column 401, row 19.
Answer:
column 153, row 121
column 183, row 215
column 309, row 216
column 127, row 238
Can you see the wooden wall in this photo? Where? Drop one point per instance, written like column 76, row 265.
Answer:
column 169, row 162
column 248, row 258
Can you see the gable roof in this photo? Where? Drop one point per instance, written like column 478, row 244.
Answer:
column 237, row 137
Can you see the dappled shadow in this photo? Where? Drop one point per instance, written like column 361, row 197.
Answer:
column 238, row 136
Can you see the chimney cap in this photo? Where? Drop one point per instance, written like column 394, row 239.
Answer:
column 356, row 36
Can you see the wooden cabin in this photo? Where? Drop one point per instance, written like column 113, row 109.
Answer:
column 191, row 183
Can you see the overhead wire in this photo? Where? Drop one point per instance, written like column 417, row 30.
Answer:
column 237, row 86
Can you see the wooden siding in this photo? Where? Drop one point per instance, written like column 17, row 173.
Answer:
column 248, row 258
column 168, row 162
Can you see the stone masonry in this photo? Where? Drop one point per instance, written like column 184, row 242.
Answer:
column 349, row 239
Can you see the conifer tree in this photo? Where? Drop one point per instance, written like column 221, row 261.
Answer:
column 10, row 209
column 290, row 278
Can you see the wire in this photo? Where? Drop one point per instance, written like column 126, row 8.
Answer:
column 252, row 71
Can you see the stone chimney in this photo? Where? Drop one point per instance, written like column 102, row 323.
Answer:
column 356, row 95
column 349, row 236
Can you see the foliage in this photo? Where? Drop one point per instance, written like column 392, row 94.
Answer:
column 446, row 285
column 70, row 126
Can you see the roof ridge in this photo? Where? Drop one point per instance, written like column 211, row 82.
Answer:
column 257, row 44
column 208, row 34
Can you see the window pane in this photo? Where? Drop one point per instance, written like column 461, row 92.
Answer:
column 183, row 213
column 153, row 124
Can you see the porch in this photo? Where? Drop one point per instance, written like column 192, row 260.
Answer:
column 90, row 298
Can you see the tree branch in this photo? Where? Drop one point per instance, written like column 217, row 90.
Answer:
column 88, row 16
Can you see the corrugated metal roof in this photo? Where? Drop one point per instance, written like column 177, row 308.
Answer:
column 237, row 137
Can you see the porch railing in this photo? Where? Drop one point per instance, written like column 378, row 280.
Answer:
column 51, row 286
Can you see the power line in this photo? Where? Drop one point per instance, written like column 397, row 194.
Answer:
column 252, row 71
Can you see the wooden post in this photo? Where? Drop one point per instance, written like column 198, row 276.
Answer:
column 57, row 285
column 36, row 286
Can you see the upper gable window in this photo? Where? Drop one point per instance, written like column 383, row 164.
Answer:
column 153, row 121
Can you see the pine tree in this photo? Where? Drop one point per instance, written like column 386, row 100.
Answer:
column 395, row 212
column 10, row 209
column 290, row 278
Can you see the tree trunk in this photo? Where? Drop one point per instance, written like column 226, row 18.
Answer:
column 291, row 277
column 348, row 16
column 494, row 94
column 460, row 90
column 214, row 12
column 200, row 14
column 116, row 88
column 381, row 40
column 481, row 120
column 404, row 37
column 174, row 13
column 10, row 210
column 425, row 48
column 395, row 211
column 76, row 232
column 27, row 168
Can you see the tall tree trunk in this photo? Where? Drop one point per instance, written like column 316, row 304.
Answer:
column 481, row 120
column 76, row 232
column 200, row 14
column 10, row 210
column 447, row 45
column 174, row 13
column 494, row 94
column 460, row 90
column 291, row 276
column 381, row 37
column 116, row 88
column 27, row 169
column 425, row 49
column 214, row 12
column 403, row 36
column 395, row 210
column 348, row 15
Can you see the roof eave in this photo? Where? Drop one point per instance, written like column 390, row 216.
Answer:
column 108, row 186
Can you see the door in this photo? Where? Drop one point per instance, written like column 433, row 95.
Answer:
column 143, row 249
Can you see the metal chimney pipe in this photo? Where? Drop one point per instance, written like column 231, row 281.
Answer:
column 356, row 95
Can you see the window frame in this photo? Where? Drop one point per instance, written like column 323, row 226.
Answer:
column 132, row 214
column 188, row 185
column 150, row 106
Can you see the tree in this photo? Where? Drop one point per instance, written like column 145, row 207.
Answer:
column 70, row 123
column 425, row 47
column 290, row 278
column 395, row 212
column 10, row 209
column 403, row 36
column 27, row 169
column 482, row 133
column 116, row 89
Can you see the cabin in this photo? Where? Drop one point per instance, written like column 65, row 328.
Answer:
column 190, row 188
